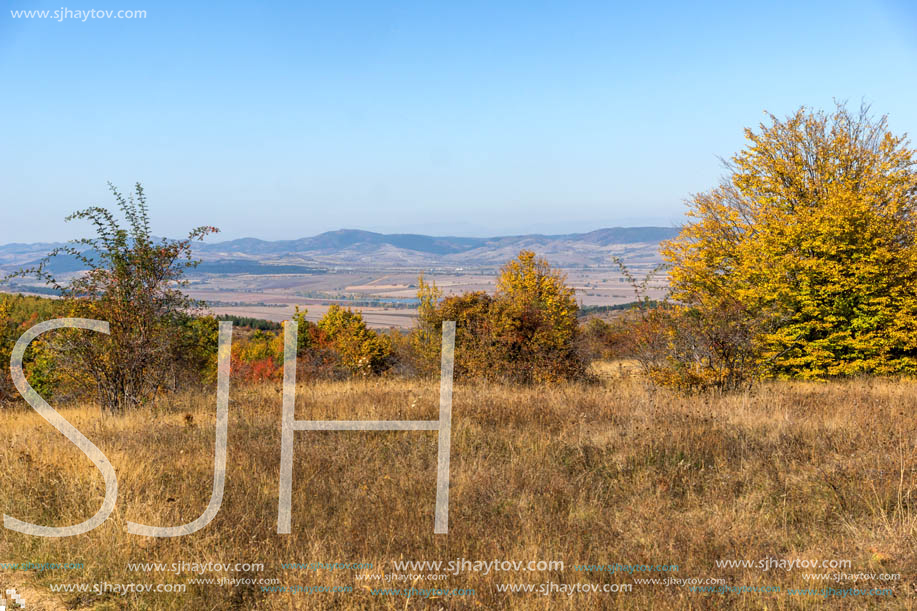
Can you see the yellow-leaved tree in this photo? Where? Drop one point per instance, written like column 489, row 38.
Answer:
column 360, row 349
column 811, row 241
column 534, row 320
column 525, row 333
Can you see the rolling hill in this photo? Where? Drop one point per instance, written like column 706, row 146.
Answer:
column 357, row 248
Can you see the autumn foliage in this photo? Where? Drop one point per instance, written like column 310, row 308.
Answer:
column 807, row 250
column 361, row 350
column 525, row 333
column 339, row 345
column 18, row 314
column 133, row 281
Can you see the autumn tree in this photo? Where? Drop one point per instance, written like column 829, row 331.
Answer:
column 534, row 321
column 361, row 350
column 424, row 339
column 476, row 354
column 525, row 333
column 134, row 282
column 809, row 245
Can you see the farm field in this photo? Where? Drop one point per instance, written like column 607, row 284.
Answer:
column 274, row 297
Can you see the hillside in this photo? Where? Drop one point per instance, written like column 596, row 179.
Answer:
column 352, row 247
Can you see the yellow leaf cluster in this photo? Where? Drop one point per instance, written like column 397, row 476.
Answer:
column 814, row 231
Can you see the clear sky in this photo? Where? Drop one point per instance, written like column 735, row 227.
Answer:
column 464, row 118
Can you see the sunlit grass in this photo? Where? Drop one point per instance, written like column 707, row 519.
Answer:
column 603, row 473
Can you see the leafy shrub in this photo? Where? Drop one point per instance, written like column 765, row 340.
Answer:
column 360, row 350
column 18, row 314
column 688, row 347
column 197, row 340
column 258, row 357
column 691, row 349
column 134, row 282
column 526, row 333
column 600, row 340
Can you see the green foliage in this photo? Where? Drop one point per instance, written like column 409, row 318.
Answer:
column 23, row 308
column 40, row 366
column 425, row 339
column 304, row 335
column 7, row 340
column 198, row 340
column 249, row 322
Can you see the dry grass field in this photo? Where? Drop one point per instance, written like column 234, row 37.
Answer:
column 596, row 474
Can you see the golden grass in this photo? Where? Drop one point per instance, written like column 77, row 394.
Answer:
column 602, row 474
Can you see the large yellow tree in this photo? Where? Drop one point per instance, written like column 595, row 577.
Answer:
column 813, row 236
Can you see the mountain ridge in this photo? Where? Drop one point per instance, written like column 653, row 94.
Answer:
column 344, row 238
column 367, row 248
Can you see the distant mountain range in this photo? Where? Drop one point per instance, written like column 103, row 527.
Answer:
column 356, row 248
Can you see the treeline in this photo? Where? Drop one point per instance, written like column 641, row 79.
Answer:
column 251, row 323
column 587, row 310
column 157, row 339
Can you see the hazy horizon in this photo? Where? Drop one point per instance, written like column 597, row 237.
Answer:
column 469, row 233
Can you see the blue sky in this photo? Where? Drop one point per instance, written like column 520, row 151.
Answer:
column 464, row 118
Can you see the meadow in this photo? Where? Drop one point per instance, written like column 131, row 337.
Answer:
column 613, row 472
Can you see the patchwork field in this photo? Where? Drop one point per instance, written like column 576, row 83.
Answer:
column 385, row 297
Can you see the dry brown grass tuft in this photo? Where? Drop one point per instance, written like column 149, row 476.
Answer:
column 600, row 474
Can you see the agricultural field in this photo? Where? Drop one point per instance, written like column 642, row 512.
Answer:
column 387, row 298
